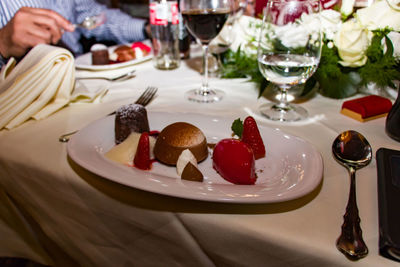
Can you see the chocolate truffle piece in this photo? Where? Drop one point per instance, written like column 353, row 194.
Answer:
column 191, row 173
column 130, row 118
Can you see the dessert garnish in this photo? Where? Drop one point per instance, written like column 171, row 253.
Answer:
column 142, row 157
column 192, row 173
column 234, row 161
column 184, row 158
column 186, row 167
column 249, row 133
column 125, row 152
column 141, row 50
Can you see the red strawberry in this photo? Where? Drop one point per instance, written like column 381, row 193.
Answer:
column 142, row 156
column 234, row 161
column 251, row 136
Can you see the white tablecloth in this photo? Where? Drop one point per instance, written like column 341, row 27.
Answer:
column 55, row 212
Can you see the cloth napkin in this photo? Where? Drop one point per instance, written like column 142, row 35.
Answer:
column 39, row 85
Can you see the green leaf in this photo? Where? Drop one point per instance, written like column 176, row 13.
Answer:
column 342, row 86
column 237, row 127
column 381, row 68
column 263, row 85
column 309, row 86
column 389, row 47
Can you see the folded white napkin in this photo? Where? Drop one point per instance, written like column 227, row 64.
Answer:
column 37, row 86
column 42, row 83
column 91, row 93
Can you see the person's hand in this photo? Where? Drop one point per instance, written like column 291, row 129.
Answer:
column 29, row 27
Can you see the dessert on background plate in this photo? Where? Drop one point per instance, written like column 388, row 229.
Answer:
column 102, row 55
column 123, row 53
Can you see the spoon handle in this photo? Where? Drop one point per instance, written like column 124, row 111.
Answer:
column 350, row 242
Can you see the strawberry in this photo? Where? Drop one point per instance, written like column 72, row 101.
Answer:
column 251, row 136
column 142, row 156
column 234, row 161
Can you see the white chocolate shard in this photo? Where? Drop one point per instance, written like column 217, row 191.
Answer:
column 185, row 157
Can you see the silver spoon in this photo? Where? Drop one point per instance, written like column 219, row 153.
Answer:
column 92, row 22
column 353, row 151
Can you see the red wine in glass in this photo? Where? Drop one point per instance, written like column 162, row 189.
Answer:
column 205, row 24
column 205, row 19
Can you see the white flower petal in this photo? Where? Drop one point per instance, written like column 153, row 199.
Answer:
column 379, row 16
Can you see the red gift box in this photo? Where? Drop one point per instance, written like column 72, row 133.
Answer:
column 366, row 108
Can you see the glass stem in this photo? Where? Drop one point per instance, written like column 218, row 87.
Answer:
column 204, row 85
column 284, row 99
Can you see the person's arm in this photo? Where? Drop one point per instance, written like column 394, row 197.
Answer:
column 29, row 27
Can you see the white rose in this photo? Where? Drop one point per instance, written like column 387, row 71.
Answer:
column 292, row 35
column 330, row 22
column 395, row 38
column 352, row 41
column 347, row 7
column 379, row 16
column 395, row 4
column 246, row 30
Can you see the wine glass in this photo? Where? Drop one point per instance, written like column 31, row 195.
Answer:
column 289, row 51
column 204, row 19
column 225, row 38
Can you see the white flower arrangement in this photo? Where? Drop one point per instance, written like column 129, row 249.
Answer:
column 361, row 47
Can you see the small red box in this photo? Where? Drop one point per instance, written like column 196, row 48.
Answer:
column 366, row 108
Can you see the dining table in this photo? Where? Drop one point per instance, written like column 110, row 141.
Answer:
column 59, row 213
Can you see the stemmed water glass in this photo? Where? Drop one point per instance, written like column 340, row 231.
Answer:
column 289, row 51
column 204, row 19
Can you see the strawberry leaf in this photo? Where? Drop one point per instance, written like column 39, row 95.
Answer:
column 237, row 127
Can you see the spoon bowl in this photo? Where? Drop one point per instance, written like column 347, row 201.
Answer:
column 92, row 22
column 352, row 150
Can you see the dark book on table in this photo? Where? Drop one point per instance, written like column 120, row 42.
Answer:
column 388, row 166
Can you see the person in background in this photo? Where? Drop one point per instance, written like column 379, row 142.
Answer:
column 26, row 23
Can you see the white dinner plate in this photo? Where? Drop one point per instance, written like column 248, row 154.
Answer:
column 84, row 61
column 292, row 167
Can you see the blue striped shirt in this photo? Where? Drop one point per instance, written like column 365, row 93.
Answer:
column 119, row 27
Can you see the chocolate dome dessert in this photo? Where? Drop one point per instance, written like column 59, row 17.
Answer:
column 177, row 137
column 130, row 118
